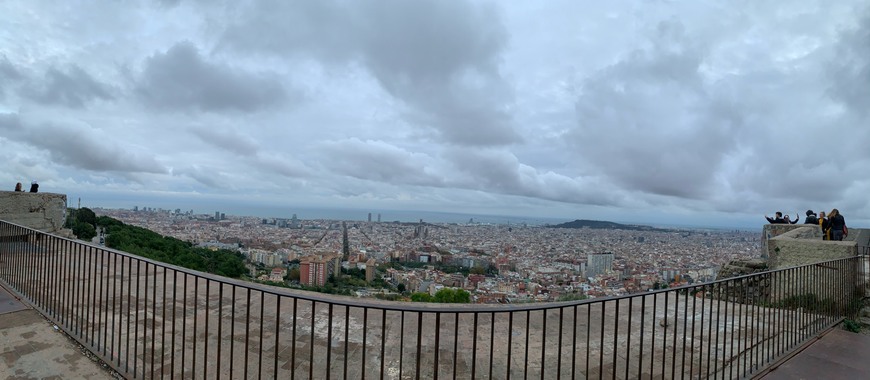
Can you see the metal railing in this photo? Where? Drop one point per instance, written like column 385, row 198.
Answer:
column 148, row 319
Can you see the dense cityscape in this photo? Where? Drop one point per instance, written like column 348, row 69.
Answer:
column 495, row 263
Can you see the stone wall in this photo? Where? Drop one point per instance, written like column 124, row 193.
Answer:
column 771, row 231
column 41, row 211
column 798, row 244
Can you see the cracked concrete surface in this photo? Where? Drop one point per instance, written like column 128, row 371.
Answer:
column 31, row 347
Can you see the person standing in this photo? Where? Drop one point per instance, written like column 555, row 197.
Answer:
column 838, row 225
column 811, row 218
column 825, row 224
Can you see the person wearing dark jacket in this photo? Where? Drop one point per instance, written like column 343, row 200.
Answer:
column 838, row 225
column 811, row 218
column 779, row 219
column 34, row 187
column 789, row 221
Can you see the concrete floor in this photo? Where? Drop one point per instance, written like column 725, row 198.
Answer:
column 839, row 354
column 31, row 347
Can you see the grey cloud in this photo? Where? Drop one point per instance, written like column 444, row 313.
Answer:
column 78, row 146
column 10, row 122
column 210, row 177
column 648, row 122
column 228, row 140
column 501, row 172
column 440, row 58
column 489, row 170
column 284, row 166
column 8, row 74
column 72, row 88
column 181, row 79
column 8, row 70
column 850, row 68
column 378, row 161
column 327, row 29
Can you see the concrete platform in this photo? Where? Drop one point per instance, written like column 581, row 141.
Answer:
column 839, row 354
column 31, row 348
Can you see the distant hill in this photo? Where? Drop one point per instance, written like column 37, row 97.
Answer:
column 600, row 224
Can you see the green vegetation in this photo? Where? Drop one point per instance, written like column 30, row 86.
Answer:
column 599, row 224
column 571, row 297
column 143, row 242
column 446, row 295
column 82, row 222
column 851, row 326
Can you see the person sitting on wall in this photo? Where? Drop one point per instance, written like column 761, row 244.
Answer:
column 34, row 187
column 18, row 187
column 811, row 218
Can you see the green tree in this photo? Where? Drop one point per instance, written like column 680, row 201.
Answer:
column 293, row 274
column 448, row 295
column 86, row 215
column 105, row 221
column 572, row 297
column 146, row 243
column 84, row 231
column 421, row 297
column 400, row 288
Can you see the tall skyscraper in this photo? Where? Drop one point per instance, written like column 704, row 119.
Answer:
column 370, row 217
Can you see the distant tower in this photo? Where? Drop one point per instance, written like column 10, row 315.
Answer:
column 379, row 217
column 80, row 202
column 370, row 217
column 217, row 215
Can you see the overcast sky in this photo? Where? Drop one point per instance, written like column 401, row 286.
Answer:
column 710, row 112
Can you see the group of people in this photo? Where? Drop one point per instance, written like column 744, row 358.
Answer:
column 34, row 187
column 833, row 224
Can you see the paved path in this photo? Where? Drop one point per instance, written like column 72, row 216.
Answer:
column 839, row 354
column 31, row 348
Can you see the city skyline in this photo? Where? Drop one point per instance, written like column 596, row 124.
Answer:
column 703, row 114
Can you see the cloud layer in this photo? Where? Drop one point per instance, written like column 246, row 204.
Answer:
column 632, row 111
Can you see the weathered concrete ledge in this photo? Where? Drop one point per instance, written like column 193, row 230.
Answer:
column 41, row 211
column 801, row 244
